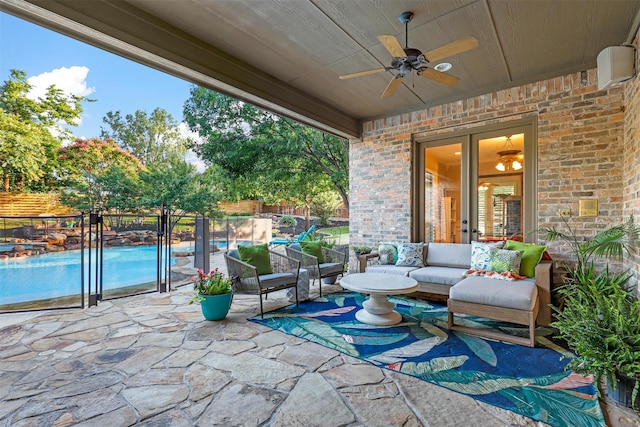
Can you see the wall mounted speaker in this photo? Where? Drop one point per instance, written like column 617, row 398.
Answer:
column 615, row 65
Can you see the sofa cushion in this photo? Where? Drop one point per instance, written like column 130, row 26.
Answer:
column 410, row 254
column 440, row 275
column 501, row 260
column 390, row 269
column 531, row 256
column 521, row 294
column 388, row 253
column 480, row 254
column 449, row 255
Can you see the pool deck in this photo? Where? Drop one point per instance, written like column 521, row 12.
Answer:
column 153, row 360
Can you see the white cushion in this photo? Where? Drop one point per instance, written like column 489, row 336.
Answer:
column 449, row 255
column 521, row 294
column 390, row 269
column 440, row 275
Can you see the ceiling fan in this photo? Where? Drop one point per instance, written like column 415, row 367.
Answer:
column 407, row 59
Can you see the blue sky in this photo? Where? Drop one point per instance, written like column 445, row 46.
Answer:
column 117, row 84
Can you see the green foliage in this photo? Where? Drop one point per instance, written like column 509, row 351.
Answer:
column 212, row 283
column 361, row 249
column 28, row 147
column 153, row 138
column 99, row 175
column 287, row 221
column 601, row 323
column 283, row 158
column 324, row 205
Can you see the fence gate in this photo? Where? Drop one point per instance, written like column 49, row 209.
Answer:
column 127, row 255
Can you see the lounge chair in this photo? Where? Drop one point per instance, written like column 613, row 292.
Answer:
column 332, row 267
column 299, row 238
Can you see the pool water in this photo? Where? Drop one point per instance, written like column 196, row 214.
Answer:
column 58, row 274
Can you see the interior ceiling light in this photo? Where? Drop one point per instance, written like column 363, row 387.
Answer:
column 442, row 67
column 509, row 158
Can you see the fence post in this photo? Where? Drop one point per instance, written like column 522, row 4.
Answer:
column 202, row 252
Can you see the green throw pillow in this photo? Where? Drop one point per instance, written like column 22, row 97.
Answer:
column 531, row 256
column 502, row 260
column 313, row 247
column 258, row 256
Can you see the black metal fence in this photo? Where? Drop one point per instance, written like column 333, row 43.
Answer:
column 70, row 261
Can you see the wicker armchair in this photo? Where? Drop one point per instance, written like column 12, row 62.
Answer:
column 334, row 263
column 247, row 280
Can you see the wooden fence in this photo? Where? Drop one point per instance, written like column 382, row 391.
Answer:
column 32, row 204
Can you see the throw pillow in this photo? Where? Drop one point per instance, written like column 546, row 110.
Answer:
column 388, row 253
column 501, row 260
column 531, row 256
column 480, row 254
column 314, row 248
column 410, row 254
column 258, row 256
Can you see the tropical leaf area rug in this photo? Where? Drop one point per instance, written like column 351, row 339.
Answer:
column 529, row 381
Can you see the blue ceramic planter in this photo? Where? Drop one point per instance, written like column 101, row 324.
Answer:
column 216, row 307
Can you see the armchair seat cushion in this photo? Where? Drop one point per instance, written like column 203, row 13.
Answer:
column 440, row 275
column 520, row 295
column 331, row 268
column 276, row 279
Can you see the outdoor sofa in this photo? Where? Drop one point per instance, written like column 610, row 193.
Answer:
column 446, row 269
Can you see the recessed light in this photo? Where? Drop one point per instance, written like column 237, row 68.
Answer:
column 442, row 67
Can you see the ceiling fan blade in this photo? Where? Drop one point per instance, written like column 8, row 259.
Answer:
column 439, row 77
column 361, row 73
column 391, row 87
column 393, row 46
column 451, row 49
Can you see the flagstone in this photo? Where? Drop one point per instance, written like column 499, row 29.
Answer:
column 195, row 345
column 11, row 335
column 231, row 407
column 123, row 416
column 8, row 407
column 27, row 356
column 119, row 342
column 156, row 376
column 182, row 358
column 307, row 354
column 195, row 409
column 172, row 418
column 353, row 375
column 137, row 330
column 44, row 344
column 14, row 350
column 384, row 411
column 89, row 405
column 231, row 346
column 151, row 400
column 89, row 349
column 143, row 359
column 271, row 338
column 205, row 381
column 71, row 347
column 86, row 384
column 41, row 330
column 91, row 323
column 37, row 374
column 253, row 369
column 168, row 339
column 308, row 403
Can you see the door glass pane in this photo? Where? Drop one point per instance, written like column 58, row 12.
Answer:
column 442, row 193
column 500, row 172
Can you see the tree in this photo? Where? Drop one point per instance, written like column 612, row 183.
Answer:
column 180, row 189
column 31, row 132
column 99, row 175
column 249, row 142
column 153, row 138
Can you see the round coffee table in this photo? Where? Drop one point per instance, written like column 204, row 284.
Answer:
column 378, row 310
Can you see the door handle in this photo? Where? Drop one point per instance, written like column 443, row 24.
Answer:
column 473, row 230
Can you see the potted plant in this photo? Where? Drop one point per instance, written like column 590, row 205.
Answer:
column 361, row 250
column 214, row 293
column 600, row 318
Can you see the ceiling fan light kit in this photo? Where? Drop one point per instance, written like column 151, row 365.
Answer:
column 407, row 59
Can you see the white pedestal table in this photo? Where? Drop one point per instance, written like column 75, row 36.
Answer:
column 377, row 309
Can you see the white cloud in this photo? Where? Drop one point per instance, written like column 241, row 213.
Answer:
column 191, row 156
column 71, row 81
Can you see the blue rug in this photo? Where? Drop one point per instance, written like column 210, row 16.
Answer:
column 529, row 381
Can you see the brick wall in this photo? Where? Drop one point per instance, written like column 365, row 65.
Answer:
column 631, row 183
column 581, row 154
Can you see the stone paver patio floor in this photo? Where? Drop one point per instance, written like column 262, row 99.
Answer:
column 153, row 360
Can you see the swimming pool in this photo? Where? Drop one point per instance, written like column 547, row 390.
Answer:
column 56, row 275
